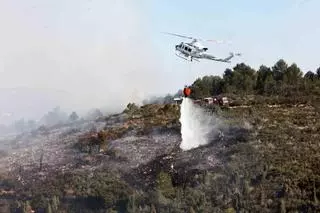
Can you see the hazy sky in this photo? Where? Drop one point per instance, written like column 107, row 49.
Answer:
column 107, row 51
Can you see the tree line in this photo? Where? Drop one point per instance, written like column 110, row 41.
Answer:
column 280, row 79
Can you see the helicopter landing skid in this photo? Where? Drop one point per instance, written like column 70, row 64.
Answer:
column 186, row 58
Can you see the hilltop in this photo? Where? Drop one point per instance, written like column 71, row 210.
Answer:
column 132, row 161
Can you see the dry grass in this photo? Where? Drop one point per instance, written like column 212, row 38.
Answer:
column 288, row 139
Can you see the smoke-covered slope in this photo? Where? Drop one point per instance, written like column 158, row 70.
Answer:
column 140, row 165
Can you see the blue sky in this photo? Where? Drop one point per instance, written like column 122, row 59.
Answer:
column 264, row 31
column 101, row 52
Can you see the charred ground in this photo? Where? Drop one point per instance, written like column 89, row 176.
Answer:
column 266, row 161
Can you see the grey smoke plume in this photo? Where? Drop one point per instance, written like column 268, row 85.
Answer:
column 97, row 52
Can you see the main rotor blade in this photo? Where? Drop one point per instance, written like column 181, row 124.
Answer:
column 218, row 41
column 182, row 36
column 199, row 39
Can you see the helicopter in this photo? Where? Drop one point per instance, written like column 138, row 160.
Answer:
column 194, row 50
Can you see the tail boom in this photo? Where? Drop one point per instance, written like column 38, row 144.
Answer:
column 226, row 60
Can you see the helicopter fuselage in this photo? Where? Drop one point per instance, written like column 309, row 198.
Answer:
column 190, row 50
column 195, row 50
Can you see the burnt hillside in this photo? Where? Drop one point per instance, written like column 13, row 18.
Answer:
column 264, row 160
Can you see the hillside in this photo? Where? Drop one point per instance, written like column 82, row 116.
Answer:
column 266, row 160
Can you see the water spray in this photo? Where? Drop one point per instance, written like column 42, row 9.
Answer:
column 196, row 125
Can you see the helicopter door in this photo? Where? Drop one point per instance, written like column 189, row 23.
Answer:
column 187, row 49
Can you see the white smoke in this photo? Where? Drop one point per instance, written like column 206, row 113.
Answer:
column 100, row 53
column 197, row 125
